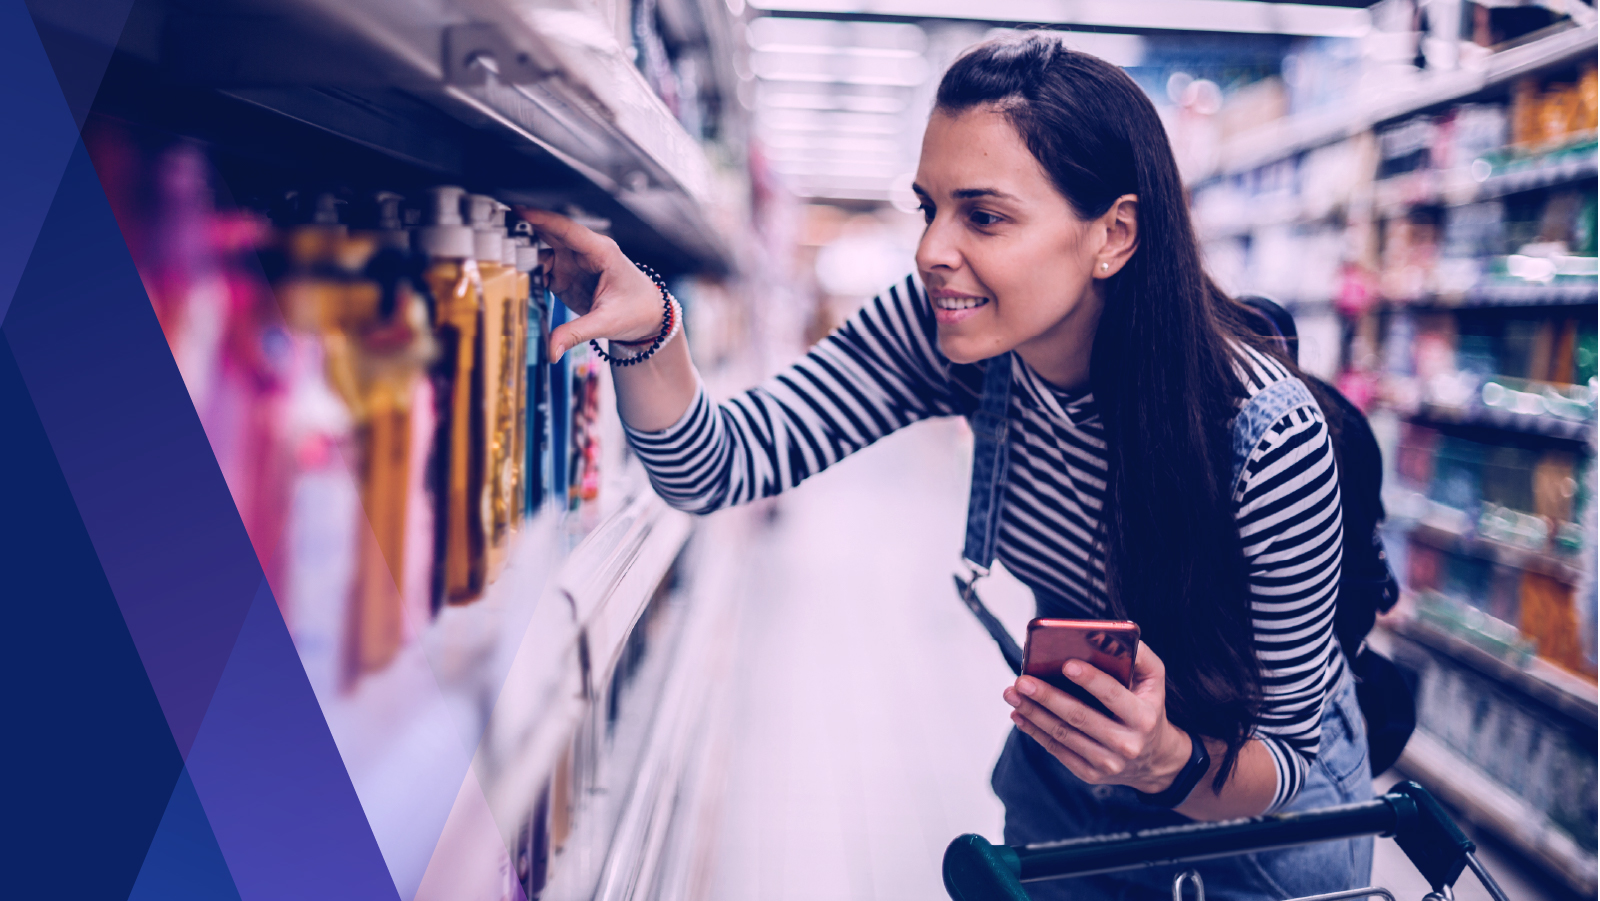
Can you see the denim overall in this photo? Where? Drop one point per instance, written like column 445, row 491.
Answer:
column 1046, row 802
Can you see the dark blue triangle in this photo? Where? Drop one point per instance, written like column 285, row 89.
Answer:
column 90, row 758
column 79, row 36
column 42, row 137
column 184, row 862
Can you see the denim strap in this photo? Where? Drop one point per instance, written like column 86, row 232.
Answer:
column 1258, row 414
column 990, row 458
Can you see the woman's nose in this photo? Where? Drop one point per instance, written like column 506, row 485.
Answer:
column 936, row 250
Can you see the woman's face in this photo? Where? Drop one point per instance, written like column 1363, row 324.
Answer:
column 1008, row 263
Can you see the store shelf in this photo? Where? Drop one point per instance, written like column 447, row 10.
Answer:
column 1512, row 174
column 603, row 584
column 1479, row 416
column 1512, row 748
column 1561, row 693
column 547, row 84
column 1486, row 803
column 1294, row 134
column 1554, row 167
column 1509, row 294
column 1566, row 570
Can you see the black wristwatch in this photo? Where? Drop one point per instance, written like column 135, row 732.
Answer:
column 1185, row 781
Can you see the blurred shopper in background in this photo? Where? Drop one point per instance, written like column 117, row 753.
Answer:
column 1058, row 244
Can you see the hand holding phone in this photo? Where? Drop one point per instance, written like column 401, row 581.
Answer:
column 1106, row 644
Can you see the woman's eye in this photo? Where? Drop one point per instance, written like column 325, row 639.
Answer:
column 982, row 219
column 927, row 213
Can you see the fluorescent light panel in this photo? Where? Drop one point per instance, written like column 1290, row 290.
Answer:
column 825, row 50
column 867, row 169
column 834, row 144
column 1244, row 16
column 855, row 103
column 833, row 122
column 766, row 31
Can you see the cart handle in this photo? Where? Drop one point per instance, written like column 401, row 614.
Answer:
column 975, row 870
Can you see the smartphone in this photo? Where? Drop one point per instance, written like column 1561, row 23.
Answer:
column 1107, row 644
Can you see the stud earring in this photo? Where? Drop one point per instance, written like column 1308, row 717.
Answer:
column 1104, row 266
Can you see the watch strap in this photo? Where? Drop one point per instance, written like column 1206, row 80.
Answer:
column 1183, row 784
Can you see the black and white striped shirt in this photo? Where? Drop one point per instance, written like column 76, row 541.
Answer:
column 882, row 371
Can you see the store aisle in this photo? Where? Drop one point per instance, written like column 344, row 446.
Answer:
column 868, row 710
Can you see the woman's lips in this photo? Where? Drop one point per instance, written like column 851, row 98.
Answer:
column 951, row 308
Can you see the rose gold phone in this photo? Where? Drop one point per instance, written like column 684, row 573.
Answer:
column 1107, row 644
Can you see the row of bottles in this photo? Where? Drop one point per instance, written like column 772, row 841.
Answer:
column 372, row 373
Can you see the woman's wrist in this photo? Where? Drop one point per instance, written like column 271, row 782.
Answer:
column 622, row 353
column 1172, row 755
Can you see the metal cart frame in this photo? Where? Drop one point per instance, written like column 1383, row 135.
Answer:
column 975, row 870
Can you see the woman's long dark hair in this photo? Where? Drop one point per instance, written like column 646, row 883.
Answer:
column 1162, row 373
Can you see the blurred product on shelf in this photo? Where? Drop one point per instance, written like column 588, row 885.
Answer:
column 501, row 327
column 453, row 278
column 334, row 336
column 347, row 289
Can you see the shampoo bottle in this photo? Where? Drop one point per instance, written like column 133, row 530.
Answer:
column 452, row 278
column 391, row 344
column 487, row 218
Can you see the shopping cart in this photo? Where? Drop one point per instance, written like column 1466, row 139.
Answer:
column 975, row 870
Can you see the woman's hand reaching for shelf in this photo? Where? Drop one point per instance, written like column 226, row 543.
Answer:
column 615, row 301
column 590, row 275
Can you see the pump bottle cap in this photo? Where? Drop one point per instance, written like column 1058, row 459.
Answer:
column 445, row 235
column 326, row 211
column 387, row 222
column 488, row 220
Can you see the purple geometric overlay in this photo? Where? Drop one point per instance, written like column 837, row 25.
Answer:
column 164, row 739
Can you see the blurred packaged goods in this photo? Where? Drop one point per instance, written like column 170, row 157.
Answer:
column 1458, row 248
column 322, row 331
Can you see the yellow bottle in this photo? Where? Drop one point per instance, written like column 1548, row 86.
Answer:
column 461, row 571
column 390, row 340
column 500, row 338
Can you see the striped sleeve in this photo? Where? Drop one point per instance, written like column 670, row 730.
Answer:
column 879, row 372
column 1290, row 525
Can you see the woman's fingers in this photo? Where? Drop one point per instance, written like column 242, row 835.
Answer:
column 1149, row 675
column 1068, row 757
column 600, row 322
column 557, row 229
column 1077, row 730
column 1122, row 703
column 1069, row 709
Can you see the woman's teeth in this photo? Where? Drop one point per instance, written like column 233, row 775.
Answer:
column 959, row 303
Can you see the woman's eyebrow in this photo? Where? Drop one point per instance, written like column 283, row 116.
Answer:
column 970, row 193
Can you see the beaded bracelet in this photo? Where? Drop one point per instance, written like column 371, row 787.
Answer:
column 668, row 326
column 635, row 350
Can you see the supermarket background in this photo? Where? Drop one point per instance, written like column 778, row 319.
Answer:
column 325, row 583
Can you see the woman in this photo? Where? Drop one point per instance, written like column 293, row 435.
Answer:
column 1058, row 243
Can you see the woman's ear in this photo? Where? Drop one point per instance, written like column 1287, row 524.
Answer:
column 1121, row 229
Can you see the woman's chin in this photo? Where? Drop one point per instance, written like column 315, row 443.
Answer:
column 967, row 348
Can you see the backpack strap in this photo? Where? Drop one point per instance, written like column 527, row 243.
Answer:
column 1258, row 414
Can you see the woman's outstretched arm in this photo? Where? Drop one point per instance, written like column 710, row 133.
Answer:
column 879, row 372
